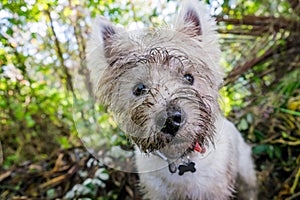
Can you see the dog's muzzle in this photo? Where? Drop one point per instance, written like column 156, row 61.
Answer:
column 170, row 120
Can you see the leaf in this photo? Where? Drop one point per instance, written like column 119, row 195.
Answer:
column 30, row 122
column 67, row 12
column 81, row 189
column 259, row 149
column 19, row 112
column 292, row 112
column 70, row 194
column 63, row 141
column 249, row 117
column 243, row 125
column 87, row 181
column 270, row 151
column 101, row 174
column 51, row 193
column 277, row 152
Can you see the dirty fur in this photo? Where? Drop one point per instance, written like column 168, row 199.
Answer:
column 143, row 75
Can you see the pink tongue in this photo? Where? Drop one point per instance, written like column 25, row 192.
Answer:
column 197, row 147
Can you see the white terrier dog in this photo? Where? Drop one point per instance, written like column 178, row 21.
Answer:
column 162, row 86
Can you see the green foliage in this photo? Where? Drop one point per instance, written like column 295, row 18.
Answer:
column 262, row 88
column 46, row 96
column 89, row 188
column 32, row 120
column 36, row 112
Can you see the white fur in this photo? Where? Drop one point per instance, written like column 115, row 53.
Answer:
column 230, row 157
column 209, row 47
column 96, row 61
column 212, row 180
column 209, row 36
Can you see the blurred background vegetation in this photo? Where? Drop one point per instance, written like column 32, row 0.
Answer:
column 42, row 51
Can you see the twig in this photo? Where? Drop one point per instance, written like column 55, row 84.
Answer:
column 60, row 54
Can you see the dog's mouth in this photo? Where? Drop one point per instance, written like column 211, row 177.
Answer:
column 175, row 131
column 181, row 145
column 183, row 163
column 198, row 148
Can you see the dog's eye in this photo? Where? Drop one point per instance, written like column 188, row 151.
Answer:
column 189, row 78
column 139, row 89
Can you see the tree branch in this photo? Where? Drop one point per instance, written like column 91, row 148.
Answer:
column 276, row 23
column 68, row 76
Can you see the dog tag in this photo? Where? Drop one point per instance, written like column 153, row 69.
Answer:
column 172, row 168
column 186, row 167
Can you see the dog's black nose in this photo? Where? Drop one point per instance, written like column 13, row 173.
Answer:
column 173, row 121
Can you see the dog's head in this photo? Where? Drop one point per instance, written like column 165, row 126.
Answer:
column 160, row 83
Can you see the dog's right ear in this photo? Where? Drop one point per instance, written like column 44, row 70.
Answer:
column 106, row 33
column 100, row 47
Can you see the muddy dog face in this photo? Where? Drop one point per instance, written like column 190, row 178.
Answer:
column 161, row 84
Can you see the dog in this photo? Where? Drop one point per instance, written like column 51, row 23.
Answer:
column 162, row 86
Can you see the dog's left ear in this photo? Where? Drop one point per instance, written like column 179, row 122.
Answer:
column 194, row 20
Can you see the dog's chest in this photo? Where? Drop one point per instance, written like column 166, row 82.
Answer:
column 211, row 179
